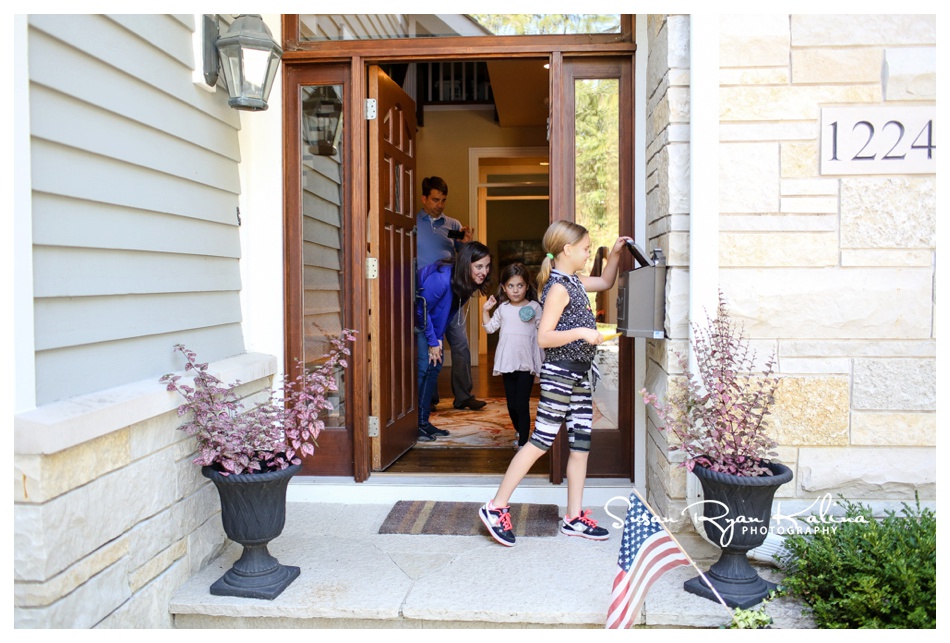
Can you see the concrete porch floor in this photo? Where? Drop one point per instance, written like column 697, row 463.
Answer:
column 353, row 577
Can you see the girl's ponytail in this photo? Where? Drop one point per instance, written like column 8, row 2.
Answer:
column 558, row 235
column 545, row 273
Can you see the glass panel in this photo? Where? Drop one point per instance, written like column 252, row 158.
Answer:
column 256, row 63
column 527, row 24
column 597, row 159
column 597, row 208
column 317, row 27
column 321, row 201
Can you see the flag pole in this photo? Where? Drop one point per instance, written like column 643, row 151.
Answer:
column 732, row 614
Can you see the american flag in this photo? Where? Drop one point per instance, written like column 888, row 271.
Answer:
column 646, row 552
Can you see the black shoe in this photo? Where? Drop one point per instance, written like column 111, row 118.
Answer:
column 431, row 429
column 424, row 436
column 471, row 403
column 584, row 526
column 498, row 522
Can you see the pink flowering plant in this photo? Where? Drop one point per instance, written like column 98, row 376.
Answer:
column 719, row 416
column 265, row 437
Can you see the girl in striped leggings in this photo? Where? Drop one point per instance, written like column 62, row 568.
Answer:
column 568, row 334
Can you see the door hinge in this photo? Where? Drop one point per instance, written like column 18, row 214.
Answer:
column 372, row 267
column 370, row 111
column 373, row 426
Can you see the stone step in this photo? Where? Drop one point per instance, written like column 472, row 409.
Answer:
column 353, row 577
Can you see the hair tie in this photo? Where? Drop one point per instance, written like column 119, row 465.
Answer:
column 550, row 256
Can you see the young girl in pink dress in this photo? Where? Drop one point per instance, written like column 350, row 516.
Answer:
column 518, row 357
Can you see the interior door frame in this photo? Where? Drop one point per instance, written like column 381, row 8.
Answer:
column 476, row 204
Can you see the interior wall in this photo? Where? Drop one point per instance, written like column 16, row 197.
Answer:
column 443, row 145
column 515, row 220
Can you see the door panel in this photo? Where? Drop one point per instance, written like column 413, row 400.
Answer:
column 593, row 158
column 321, row 291
column 392, row 239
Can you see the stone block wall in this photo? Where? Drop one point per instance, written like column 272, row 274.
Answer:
column 667, row 201
column 107, row 528
column 835, row 274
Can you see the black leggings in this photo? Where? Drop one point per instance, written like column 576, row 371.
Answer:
column 518, row 393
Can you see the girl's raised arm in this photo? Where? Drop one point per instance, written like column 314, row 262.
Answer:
column 607, row 278
column 491, row 323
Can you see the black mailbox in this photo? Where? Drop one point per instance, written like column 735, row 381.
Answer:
column 641, row 297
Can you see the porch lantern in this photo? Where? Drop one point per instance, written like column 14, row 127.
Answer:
column 321, row 120
column 249, row 58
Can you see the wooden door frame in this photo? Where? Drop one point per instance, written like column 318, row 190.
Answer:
column 357, row 54
column 455, row 47
column 475, row 204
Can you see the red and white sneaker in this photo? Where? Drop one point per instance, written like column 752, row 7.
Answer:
column 583, row 526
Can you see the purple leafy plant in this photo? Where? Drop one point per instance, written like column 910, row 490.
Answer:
column 265, row 437
column 719, row 415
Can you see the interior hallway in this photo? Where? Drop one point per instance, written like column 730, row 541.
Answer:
column 466, row 460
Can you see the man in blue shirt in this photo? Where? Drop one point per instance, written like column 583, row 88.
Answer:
column 433, row 243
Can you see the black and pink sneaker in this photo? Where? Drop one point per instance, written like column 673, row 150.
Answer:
column 498, row 522
column 584, row 526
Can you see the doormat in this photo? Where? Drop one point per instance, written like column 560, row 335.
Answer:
column 488, row 428
column 439, row 518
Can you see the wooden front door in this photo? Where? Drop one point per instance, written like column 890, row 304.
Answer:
column 392, row 220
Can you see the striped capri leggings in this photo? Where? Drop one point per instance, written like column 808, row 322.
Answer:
column 565, row 397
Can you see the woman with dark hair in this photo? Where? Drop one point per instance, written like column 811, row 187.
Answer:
column 444, row 289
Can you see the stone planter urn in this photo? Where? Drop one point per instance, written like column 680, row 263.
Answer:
column 253, row 508
column 736, row 515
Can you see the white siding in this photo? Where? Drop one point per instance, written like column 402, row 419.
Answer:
column 135, row 194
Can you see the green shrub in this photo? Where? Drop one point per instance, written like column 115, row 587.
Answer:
column 870, row 573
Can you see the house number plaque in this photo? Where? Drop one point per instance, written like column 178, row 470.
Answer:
column 879, row 139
